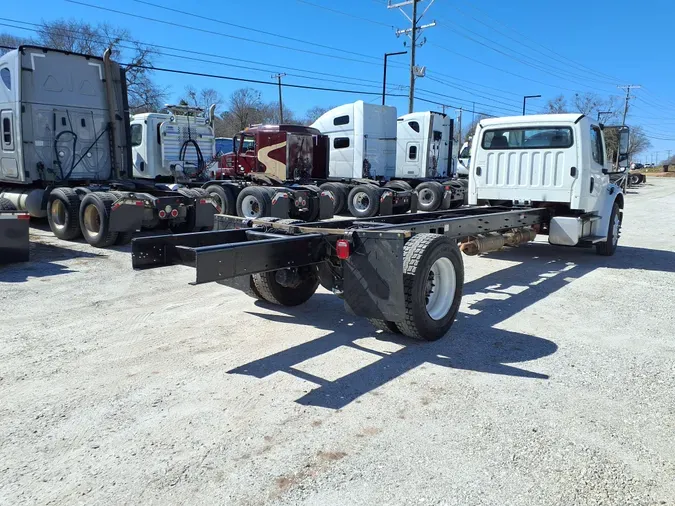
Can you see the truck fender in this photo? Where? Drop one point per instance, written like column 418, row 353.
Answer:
column 612, row 194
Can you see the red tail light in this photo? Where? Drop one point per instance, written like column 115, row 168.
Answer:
column 162, row 214
column 139, row 202
column 343, row 249
column 174, row 213
column 23, row 217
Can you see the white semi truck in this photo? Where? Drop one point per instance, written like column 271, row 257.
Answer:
column 65, row 151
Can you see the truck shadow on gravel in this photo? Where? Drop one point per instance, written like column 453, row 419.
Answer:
column 42, row 263
column 473, row 344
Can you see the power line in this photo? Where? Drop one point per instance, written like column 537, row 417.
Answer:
column 136, row 41
column 203, row 30
column 211, row 20
column 345, row 14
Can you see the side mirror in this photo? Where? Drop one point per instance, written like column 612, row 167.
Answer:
column 624, row 141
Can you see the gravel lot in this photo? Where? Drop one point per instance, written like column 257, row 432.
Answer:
column 555, row 386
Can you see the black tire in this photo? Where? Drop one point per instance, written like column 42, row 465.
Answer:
column 339, row 192
column 224, row 198
column 95, row 219
column 419, row 255
column 364, row 201
column 608, row 247
column 403, row 186
column 429, row 196
column 258, row 202
column 81, row 190
column 384, row 325
column 267, row 286
column 124, row 238
column 63, row 213
column 249, row 289
column 7, row 205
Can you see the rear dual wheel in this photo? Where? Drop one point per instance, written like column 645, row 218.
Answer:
column 433, row 277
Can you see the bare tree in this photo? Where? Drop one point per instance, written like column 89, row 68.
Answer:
column 591, row 104
column 557, row 105
column 9, row 41
column 203, row 99
column 315, row 113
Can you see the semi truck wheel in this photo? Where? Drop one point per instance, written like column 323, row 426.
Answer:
column 364, row 201
column 339, row 193
column 608, row 247
column 6, row 205
column 287, row 287
column 224, row 199
column 63, row 206
column 384, row 325
column 254, row 202
column 433, row 277
column 429, row 196
column 95, row 219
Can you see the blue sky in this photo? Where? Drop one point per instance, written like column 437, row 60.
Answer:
column 492, row 54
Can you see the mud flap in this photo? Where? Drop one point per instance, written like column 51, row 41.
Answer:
column 447, row 200
column 386, row 203
column 126, row 215
column 204, row 213
column 281, row 205
column 325, row 206
column 14, row 243
column 373, row 276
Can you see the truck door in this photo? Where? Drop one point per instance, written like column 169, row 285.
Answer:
column 8, row 162
column 246, row 154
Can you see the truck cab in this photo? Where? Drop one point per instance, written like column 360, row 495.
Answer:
column 559, row 161
column 423, row 145
column 174, row 146
column 285, row 152
column 464, row 160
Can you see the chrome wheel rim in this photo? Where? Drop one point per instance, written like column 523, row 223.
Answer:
column 361, row 201
column 440, row 289
column 426, row 196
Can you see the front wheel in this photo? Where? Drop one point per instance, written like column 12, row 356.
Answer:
column 608, row 247
column 433, row 277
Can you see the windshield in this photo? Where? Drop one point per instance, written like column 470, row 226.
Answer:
column 249, row 144
column 528, row 138
column 466, row 152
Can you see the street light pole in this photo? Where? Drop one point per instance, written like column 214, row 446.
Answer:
column 384, row 77
column 525, row 100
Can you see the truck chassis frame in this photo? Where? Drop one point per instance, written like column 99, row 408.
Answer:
column 365, row 261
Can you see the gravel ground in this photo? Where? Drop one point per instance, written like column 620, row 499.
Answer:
column 555, row 386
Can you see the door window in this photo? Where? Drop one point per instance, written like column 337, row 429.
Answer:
column 7, row 141
column 136, row 135
column 596, row 146
column 412, row 152
column 6, row 77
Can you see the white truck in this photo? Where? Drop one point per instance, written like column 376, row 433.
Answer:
column 174, row 147
column 65, row 151
column 559, row 162
column 529, row 175
column 367, row 143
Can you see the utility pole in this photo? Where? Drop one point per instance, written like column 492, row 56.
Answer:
column 413, row 33
column 281, row 105
column 627, row 87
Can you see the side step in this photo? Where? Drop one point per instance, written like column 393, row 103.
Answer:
column 593, row 239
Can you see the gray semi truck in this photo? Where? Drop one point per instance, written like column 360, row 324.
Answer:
column 65, row 151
